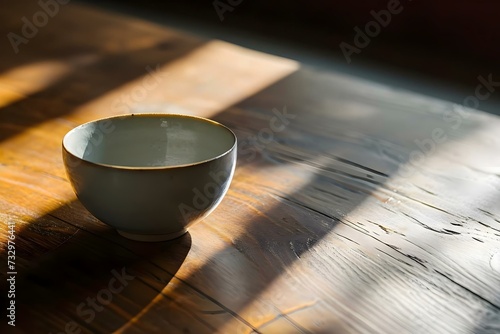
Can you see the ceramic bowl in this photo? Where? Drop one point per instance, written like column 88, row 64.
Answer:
column 150, row 176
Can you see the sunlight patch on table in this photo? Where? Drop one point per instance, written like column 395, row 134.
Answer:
column 20, row 82
column 204, row 82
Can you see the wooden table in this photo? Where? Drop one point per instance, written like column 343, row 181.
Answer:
column 364, row 209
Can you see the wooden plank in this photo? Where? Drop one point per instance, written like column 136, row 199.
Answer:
column 330, row 224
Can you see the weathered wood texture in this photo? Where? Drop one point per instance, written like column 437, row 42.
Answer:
column 334, row 222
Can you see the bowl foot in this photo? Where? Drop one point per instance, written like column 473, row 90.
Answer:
column 152, row 237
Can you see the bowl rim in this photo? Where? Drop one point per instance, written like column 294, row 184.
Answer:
column 67, row 151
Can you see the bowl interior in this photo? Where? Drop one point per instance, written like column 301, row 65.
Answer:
column 149, row 140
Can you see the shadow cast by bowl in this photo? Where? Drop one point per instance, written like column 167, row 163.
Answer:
column 98, row 275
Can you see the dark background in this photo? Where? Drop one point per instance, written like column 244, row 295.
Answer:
column 433, row 48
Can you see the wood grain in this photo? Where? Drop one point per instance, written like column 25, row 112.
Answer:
column 329, row 226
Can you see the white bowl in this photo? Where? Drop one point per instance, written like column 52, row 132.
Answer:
column 150, row 176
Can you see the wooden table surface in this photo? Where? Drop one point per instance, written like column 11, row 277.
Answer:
column 355, row 207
